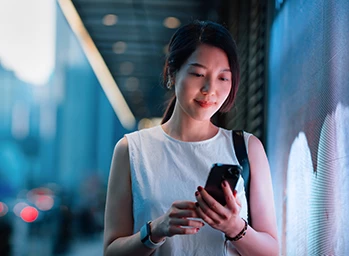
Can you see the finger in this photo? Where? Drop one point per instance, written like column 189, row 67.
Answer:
column 230, row 196
column 237, row 199
column 187, row 223
column 184, row 205
column 176, row 230
column 183, row 213
column 212, row 203
column 211, row 209
column 203, row 216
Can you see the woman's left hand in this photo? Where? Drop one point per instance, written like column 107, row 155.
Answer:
column 224, row 218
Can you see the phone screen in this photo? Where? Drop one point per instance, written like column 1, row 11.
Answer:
column 218, row 173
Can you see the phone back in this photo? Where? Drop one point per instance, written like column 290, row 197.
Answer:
column 218, row 173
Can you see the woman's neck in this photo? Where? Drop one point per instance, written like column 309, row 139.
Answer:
column 188, row 129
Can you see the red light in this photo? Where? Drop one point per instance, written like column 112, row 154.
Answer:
column 29, row 214
column 3, row 209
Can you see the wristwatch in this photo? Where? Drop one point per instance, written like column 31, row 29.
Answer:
column 145, row 237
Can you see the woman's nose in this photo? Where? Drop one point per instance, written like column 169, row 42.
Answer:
column 208, row 88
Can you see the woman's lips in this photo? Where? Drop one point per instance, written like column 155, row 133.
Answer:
column 204, row 103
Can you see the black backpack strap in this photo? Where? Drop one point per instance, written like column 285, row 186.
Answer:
column 241, row 154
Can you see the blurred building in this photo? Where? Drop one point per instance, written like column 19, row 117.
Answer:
column 56, row 134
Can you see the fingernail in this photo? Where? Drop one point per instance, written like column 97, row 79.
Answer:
column 224, row 183
column 197, row 229
column 200, row 188
column 196, row 193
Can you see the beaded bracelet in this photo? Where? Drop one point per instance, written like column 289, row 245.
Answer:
column 240, row 235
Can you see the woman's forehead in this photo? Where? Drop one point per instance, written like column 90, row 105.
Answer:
column 206, row 56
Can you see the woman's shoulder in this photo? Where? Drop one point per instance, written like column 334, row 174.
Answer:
column 255, row 149
column 255, row 144
column 144, row 132
column 121, row 147
column 132, row 139
column 143, row 135
column 228, row 133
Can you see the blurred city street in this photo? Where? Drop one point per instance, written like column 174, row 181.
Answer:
column 87, row 247
column 43, row 246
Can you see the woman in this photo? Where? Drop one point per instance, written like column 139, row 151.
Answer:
column 156, row 204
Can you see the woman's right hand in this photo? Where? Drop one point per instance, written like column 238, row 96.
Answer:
column 178, row 220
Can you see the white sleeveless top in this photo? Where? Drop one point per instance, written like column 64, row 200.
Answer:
column 164, row 170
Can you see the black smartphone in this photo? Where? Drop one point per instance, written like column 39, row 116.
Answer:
column 218, row 173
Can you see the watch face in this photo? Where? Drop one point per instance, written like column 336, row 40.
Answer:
column 145, row 232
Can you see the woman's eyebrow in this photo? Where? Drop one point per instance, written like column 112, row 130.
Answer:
column 195, row 64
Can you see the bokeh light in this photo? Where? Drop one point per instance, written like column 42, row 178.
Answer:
column 44, row 202
column 3, row 209
column 29, row 214
column 110, row 19
column 17, row 209
column 172, row 22
column 119, row 47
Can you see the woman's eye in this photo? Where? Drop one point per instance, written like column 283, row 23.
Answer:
column 197, row 74
column 224, row 79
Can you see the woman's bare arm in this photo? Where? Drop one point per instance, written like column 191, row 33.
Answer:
column 262, row 238
column 118, row 225
column 118, row 232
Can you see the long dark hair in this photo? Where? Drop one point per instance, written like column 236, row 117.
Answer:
column 185, row 41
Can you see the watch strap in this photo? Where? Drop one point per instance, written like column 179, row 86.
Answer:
column 145, row 237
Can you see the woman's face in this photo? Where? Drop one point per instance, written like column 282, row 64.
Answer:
column 203, row 83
